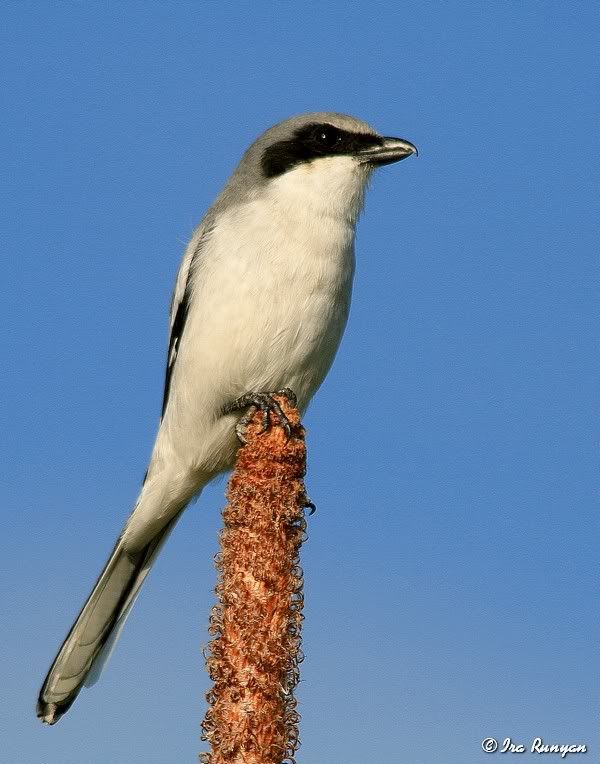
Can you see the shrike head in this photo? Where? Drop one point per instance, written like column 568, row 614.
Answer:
column 319, row 161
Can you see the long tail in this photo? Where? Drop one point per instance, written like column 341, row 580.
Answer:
column 88, row 644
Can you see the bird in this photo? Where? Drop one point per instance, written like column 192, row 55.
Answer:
column 260, row 304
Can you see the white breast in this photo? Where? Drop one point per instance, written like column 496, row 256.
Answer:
column 270, row 297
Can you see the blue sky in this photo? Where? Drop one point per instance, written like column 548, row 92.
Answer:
column 452, row 565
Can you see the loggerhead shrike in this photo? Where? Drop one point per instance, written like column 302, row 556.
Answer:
column 259, row 306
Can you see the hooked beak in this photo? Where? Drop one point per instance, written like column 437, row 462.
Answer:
column 391, row 150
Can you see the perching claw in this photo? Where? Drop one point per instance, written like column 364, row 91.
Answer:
column 264, row 402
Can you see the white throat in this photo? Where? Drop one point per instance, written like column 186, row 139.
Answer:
column 326, row 187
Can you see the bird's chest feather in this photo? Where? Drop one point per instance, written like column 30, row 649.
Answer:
column 278, row 299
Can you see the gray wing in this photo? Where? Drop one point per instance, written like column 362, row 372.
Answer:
column 180, row 303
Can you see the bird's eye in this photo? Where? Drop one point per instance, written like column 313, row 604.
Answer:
column 328, row 137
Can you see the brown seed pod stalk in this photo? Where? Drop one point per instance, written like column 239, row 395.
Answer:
column 254, row 655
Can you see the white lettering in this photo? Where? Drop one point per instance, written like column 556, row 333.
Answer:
column 538, row 746
column 509, row 747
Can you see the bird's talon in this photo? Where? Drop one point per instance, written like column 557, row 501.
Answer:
column 288, row 393
column 264, row 402
column 242, row 424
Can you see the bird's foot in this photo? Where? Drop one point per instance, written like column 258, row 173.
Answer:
column 264, row 402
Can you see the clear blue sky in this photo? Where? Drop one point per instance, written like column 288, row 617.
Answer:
column 452, row 567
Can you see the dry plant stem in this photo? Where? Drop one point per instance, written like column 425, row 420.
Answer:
column 253, row 658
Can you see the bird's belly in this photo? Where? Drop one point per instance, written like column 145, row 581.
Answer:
column 300, row 342
column 268, row 341
column 272, row 316
column 258, row 323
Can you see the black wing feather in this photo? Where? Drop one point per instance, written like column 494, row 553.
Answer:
column 174, row 341
column 181, row 317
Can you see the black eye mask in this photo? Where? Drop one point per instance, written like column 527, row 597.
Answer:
column 311, row 142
